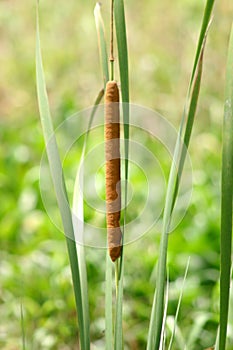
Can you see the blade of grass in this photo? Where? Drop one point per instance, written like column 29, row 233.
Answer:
column 179, row 339
column 178, row 306
column 163, row 337
column 192, row 96
column 101, row 42
column 200, row 321
column 205, row 24
column 191, row 116
column 226, row 200
column 156, row 317
column 119, row 15
column 79, row 228
column 59, row 184
column 23, row 336
column 216, row 347
column 124, row 72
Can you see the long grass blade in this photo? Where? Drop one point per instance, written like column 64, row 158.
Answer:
column 194, row 92
column 200, row 321
column 172, row 190
column 178, row 306
column 226, row 200
column 23, row 335
column 216, row 346
column 119, row 15
column 205, row 24
column 163, row 335
column 78, row 209
column 179, row 339
column 124, row 72
column 59, row 184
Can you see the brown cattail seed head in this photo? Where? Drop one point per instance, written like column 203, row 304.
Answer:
column 112, row 156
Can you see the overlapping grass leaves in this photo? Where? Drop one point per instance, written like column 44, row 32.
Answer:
column 60, row 190
column 155, row 329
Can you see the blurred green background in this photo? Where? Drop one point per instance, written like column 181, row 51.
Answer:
column 34, row 269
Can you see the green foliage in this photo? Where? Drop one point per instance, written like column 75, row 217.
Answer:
column 78, row 270
column 227, row 193
column 34, row 265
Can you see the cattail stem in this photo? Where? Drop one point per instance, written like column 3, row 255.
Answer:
column 112, row 157
column 117, row 276
column 111, row 59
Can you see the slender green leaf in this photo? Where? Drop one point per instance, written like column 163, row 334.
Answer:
column 124, row 72
column 205, row 24
column 173, row 186
column 23, row 336
column 59, row 184
column 216, row 347
column 200, row 321
column 78, row 209
column 102, row 42
column 178, row 306
column 189, row 125
column 163, row 337
column 119, row 15
column 226, row 200
column 179, row 339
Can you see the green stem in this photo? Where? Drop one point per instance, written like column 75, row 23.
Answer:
column 117, row 276
column 112, row 42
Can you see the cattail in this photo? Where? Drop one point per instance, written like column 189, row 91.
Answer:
column 112, row 157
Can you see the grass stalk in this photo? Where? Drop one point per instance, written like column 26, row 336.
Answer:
column 154, row 336
column 226, row 199
column 78, row 209
column 120, row 25
column 178, row 306
column 59, row 186
column 23, row 337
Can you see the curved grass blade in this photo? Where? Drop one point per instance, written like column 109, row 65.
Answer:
column 173, row 186
column 194, row 92
column 156, row 317
column 216, row 346
column 124, row 72
column 58, row 182
column 226, row 200
column 119, row 15
column 178, row 306
column 200, row 321
column 205, row 24
column 179, row 339
column 101, row 42
column 163, row 337
column 79, row 228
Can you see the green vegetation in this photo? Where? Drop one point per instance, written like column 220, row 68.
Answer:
column 37, row 300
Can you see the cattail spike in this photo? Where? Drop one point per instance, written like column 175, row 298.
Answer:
column 112, row 157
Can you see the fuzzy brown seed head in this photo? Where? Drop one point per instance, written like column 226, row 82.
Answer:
column 112, row 156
